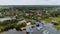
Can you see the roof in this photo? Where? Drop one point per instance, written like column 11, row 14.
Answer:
column 20, row 19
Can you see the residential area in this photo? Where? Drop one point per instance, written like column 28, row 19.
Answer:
column 29, row 19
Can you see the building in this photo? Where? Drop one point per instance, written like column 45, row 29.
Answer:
column 21, row 20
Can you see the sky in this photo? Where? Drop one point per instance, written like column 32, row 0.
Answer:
column 29, row 2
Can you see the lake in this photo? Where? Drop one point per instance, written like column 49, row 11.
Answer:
column 6, row 18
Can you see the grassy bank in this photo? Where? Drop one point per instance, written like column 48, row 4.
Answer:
column 50, row 19
column 57, row 19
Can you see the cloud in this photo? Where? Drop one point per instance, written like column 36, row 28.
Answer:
column 29, row 2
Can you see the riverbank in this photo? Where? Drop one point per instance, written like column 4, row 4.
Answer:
column 49, row 20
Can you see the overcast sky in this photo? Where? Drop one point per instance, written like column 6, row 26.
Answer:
column 29, row 2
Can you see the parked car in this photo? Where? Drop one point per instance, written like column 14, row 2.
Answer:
column 46, row 32
column 39, row 28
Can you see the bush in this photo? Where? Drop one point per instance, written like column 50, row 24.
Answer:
column 32, row 23
column 7, row 22
column 20, row 25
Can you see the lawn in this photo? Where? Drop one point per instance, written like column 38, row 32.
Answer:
column 55, row 26
column 1, row 28
column 50, row 19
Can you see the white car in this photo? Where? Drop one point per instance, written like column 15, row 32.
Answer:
column 39, row 28
column 45, row 32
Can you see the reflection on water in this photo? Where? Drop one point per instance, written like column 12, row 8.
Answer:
column 22, row 32
column 13, row 31
column 6, row 18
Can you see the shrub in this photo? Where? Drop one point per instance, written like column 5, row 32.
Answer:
column 20, row 25
column 32, row 23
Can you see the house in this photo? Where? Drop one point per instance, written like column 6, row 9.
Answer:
column 21, row 20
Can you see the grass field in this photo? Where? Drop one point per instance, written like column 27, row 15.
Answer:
column 50, row 19
column 55, row 26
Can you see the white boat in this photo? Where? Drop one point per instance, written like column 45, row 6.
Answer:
column 45, row 32
column 39, row 28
